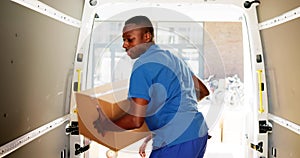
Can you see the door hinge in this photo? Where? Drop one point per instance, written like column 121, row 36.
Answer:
column 79, row 149
column 258, row 147
column 73, row 128
column 265, row 126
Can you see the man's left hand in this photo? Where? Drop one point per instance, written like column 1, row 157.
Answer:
column 99, row 124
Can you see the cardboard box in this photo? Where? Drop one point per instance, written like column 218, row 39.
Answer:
column 112, row 99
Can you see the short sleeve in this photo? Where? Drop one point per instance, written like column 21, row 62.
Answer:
column 140, row 82
column 188, row 67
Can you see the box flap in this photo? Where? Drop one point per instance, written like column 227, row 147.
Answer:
column 106, row 88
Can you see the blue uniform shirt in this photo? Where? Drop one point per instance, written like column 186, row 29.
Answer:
column 166, row 82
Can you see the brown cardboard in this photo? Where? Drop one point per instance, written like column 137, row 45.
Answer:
column 112, row 99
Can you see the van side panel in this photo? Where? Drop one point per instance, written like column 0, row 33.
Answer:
column 37, row 55
column 281, row 51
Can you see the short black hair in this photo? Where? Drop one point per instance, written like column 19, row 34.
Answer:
column 143, row 21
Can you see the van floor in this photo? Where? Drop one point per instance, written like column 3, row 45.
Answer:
column 223, row 150
column 213, row 150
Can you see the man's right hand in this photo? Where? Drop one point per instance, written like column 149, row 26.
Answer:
column 142, row 150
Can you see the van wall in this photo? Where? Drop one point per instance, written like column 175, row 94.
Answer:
column 37, row 54
column 281, row 52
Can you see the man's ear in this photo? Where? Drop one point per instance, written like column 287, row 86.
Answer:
column 148, row 37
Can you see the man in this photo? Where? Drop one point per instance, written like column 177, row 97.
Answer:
column 164, row 94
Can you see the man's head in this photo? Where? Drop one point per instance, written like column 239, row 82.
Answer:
column 137, row 35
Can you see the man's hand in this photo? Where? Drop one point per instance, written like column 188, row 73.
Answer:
column 99, row 124
column 142, row 150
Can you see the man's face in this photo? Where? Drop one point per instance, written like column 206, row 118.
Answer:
column 134, row 40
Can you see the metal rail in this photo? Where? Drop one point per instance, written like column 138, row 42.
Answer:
column 49, row 11
column 288, row 16
column 285, row 123
column 26, row 138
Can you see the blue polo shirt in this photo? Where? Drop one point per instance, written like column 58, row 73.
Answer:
column 166, row 82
